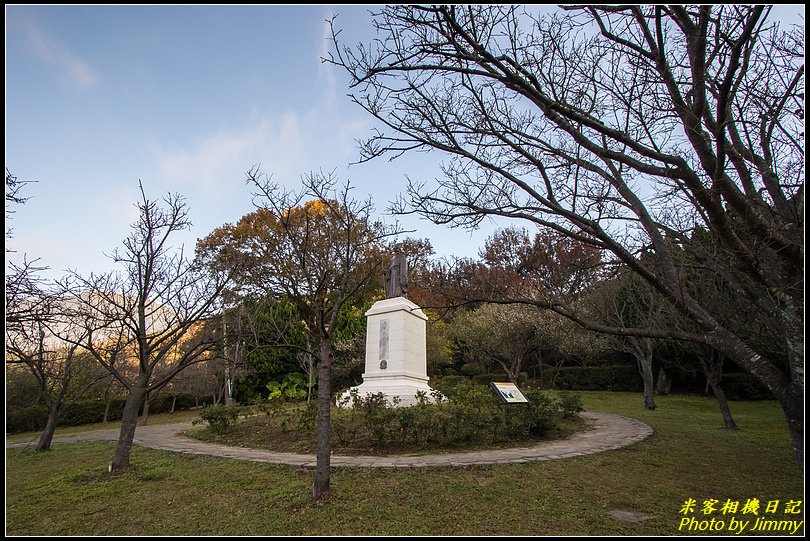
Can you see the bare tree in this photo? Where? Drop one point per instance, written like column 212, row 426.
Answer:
column 62, row 373
column 14, row 197
column 626, row 127
column 150, row 313
column 25, row 299
column 31, row 314
column 630, row 302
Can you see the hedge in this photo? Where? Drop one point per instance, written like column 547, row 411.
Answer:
column 598, row 378
column 31, row 418
column 26, row 419
column 744, row 386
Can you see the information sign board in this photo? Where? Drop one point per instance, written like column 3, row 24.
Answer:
column 509, row 393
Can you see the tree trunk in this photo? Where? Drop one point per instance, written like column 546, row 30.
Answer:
column 725, row 411
column 145, row 412
column 323, row 461
column 789, row 392
column 644, row 361
column 227, row 377
column 540, row 364
column 174, row 403
column 663, row 383
column 310, row 376
column 50, row 426
column 129, row 421
column 792, row 402
column 711, row 361
column 107, row 404
column 557, row 367
column 509, row 369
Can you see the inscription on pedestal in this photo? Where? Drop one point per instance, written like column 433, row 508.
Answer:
column 384, row 324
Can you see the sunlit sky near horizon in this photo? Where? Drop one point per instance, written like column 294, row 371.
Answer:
column 185, row 99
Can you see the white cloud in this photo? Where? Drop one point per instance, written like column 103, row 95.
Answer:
column 326, row 71
column 217, row 161
column 68, row 66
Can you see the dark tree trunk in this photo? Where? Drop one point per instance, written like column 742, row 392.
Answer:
column 145, row 411
column 50, row 426
column 644, row 361
column 57, row 406
column 789, row 392
column 725, row 411
column 663, row 383
column 107, row 404
column 792, row 402
column 711, row 361
column 129, row 421
column 323, row 462
column 511, row 368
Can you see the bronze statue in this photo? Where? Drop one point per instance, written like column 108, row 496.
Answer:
column 396, row 279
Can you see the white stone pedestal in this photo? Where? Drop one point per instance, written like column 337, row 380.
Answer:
column 396, row 363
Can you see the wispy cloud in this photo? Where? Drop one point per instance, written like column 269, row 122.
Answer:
column 326, row 71
column 217, row 161
column 67, row 65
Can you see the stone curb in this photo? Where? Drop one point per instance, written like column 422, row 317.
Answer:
column 607, row 432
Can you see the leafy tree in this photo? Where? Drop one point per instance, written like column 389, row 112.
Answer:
column 318, row 249
column 626, row 127
column 273, row 322
column 506, row 335
column 438, row 344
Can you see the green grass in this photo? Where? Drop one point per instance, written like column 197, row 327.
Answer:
column 67, row 492
column 155, row 419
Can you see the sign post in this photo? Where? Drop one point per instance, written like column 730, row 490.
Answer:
column 508, row 393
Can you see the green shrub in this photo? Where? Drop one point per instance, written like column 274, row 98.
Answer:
column 471, row 370
column 570, row 404
column 163, row 402
column 26, row 419
column 291, row 387
column 91, row 410
column 307, row 416
column 220, row 418
column 483, row 379
column 743, row 386
column 598, row 378
column 448, row 382
column 462, row 412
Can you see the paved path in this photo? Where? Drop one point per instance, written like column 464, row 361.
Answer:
column 607, row 431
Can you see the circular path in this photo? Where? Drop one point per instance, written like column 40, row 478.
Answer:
column 606, row 431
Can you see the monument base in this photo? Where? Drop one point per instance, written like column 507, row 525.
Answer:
column 396, row 363
column 398, row 391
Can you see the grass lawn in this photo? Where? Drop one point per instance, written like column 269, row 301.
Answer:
column 67, row 492
column 156, row 419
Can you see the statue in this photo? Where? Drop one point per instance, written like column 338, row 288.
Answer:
column 396, row 344
column 396, row 279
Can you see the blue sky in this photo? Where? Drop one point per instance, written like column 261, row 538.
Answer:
column 185, row 99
